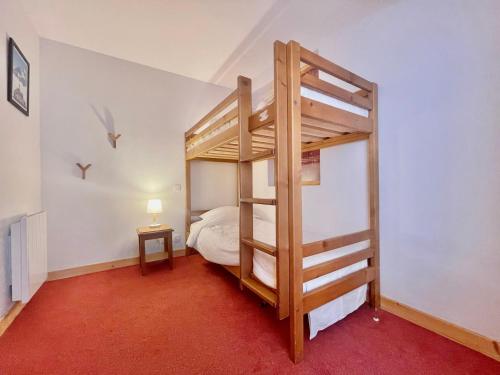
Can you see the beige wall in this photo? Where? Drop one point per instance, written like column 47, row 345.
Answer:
column 20, row 191
column 213, row 184
column 84, row 95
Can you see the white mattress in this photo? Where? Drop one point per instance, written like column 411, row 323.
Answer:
column 217, row 240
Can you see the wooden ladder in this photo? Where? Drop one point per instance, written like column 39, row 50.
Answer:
column 280, row 297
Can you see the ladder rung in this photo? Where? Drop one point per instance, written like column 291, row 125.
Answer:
column 271, row 202
column 268, row 249
column 261, row 290
column 260, row 156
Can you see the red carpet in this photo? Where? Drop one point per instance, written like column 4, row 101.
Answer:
column 195, row 320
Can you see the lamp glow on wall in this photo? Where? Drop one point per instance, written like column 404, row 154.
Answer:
column 154, row 208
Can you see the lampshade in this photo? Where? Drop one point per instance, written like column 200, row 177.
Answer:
column 154, row 206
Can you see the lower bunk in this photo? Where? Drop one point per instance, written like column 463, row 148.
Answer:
column 215, row 235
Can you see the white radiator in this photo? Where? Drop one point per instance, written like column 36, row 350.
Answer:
column 28, row 256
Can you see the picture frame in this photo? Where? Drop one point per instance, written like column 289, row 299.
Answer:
column 311, row 169
column 18, row 78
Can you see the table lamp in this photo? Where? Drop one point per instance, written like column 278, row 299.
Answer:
column 154, row 207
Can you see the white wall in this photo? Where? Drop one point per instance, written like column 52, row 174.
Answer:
column 20, row 190
column 213, row 184
column 84, row 95
column 436, row 63
column 437, row 66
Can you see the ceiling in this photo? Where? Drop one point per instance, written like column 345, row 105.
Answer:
column 209, row 40
column 193, row 38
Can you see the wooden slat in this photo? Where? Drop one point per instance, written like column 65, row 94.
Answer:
column 224, row 119
column 264, row 247
column 322, row 128
column 245, row 175
column 308, row 69
column 262, row 118
column 262, row 146
column 188, row 203
column 309, row 131
column 323, row 87
column 334, row 141
column 215, row 157
column 309, row 138
column 234, row 270
column 351, row 122
column 217, row 160
column 260, row 289
column 362, row 93
column 260, row 156
column 374, row 198
column 335, row 70
column 223, row 152
column 219, row 139
column 235, row 147
column 214, row 112
column 219, row 155
column 281, row 180
column 225, row 149
column 230, row 146
column 265, row 201
column 336, row 264
column 264, row 135
column 256, row 149
column 337, row 288
column 257, row 139
column 324, row 125
column 335, row 242
column 295, row 201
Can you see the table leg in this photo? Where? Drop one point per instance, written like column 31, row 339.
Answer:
column 167, row 242
column 142, row 255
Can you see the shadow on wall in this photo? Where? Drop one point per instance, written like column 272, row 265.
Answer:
column 5, row 271
column 106, row 120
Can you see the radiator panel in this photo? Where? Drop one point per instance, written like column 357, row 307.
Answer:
column 28, row 256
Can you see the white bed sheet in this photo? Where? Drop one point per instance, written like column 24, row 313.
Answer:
column 218, row 242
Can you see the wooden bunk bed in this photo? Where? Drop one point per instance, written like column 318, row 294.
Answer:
column 282, row 130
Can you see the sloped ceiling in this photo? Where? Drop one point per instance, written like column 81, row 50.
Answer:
column 188, row 37
column 209, row 40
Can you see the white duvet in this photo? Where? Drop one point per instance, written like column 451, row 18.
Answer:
column 216, row 237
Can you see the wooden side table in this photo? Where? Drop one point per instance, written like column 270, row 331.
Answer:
column 148, row 233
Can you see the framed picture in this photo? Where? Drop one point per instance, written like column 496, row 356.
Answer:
column 310, row 169
column 18, row 79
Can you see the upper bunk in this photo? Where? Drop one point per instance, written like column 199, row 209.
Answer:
column 335, row 108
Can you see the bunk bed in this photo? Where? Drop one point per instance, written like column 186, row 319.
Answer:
column 282, row 129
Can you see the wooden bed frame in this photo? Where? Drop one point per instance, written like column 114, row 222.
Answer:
column 282, row 130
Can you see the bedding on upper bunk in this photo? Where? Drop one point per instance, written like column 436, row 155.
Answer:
column 216, row 237
column 263, row 98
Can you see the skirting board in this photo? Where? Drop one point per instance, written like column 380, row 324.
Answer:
column 7, row 320
column 98, row 267
column 463, row 336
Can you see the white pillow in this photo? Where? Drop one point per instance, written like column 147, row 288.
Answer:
column 224, row 212
column 264, row 213
column 232, row 213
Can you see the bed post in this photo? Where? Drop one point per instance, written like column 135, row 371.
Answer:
column 374, row 199
column 238, row 184
column 188, row 204
column 281, row 179
column 295, row 202
column 245, row 174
